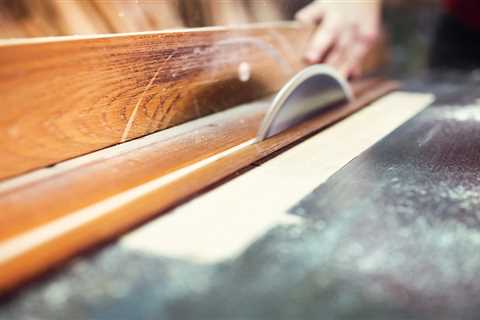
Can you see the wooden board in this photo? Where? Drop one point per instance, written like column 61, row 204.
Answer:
column 68, row 96
column 60, row 215
column 244, row 209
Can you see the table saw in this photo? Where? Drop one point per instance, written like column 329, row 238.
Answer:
column 139, row 181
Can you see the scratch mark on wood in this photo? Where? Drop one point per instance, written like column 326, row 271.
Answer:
column 170, row 112
column 154, row 121
column 132, row 117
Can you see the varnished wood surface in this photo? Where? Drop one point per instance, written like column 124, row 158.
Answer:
column 120, row 170
column 64, row 97
column 89, row 184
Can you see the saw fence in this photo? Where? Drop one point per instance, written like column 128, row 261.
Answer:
column 65, row 98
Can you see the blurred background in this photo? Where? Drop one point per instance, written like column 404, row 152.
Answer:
column 409, row 24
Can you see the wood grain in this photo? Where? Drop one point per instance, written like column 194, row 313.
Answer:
column 69, row 96
column 47, row 201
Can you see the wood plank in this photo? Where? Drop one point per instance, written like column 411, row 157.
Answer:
column 124, row 167
column 133, row 187
column 259, row 200
column 68, row 96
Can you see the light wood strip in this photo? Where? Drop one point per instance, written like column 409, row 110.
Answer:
column 66, row 96
column 259, row 200
column 97, row 201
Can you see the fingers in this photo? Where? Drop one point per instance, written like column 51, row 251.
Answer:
column 344, row 51
column 325, row 35
column 344, row 33
column 321, row 42
column 312, row 13
column 350, row 49
column 364, row 41
column 341, row 49
column 350, row 65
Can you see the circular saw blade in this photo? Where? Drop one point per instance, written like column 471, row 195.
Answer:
column 308, row 93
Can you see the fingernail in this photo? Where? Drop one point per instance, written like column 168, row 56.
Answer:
column 311, row 56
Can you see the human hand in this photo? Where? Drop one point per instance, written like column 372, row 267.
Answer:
column 345, row 32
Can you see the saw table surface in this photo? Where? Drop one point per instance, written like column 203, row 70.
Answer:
column 377, row 223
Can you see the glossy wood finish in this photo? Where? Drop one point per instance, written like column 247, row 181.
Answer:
column 98, row 181
column 64, row 97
